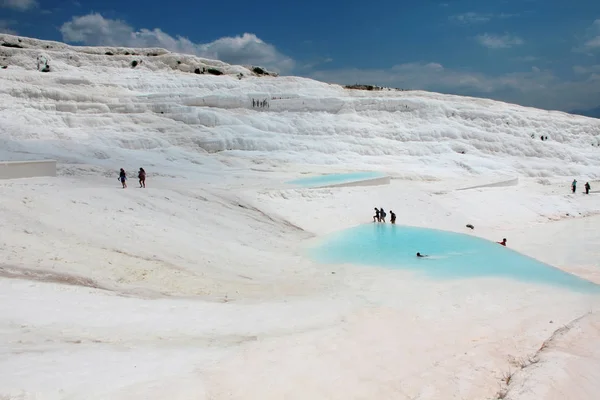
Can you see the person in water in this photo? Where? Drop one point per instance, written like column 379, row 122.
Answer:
column 422, row 255
column 142, row 177
column 392, row 217
column 123, row 178
column 503, row 242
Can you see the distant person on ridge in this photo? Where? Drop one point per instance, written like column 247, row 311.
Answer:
column 503, row 242
column 421, row 255
column 376, row 217
column 382, row 215
column 587, row 188
column 123, row 178
column 392, row 217
column 574, row 186
column 142, row 177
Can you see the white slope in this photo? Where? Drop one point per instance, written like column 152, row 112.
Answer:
column 176, row 115
column 198, row 286
column 566, row 367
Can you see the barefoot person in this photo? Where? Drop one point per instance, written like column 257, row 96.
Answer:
column 123, row 178
column 392, row 217
column 376, row 217
column 382, row 215
column 142, row 177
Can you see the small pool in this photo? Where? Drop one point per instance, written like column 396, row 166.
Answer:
column 451, row 255
column 332, row 179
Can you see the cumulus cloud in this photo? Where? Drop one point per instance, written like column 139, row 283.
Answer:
column 19, row 5
column 95, row 30
column 536, row 87
column 499, row 41
column 590, row 43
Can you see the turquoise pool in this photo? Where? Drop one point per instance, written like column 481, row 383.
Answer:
column 451, row 255
column 331, row 179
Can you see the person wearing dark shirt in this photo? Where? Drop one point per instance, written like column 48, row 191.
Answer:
column 142, row 177
column 392, row 217
column 376, row 217
column 123, row 178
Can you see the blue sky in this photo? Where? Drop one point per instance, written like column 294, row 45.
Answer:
column 543, row 53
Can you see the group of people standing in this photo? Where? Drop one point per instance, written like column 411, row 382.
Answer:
column 380, row 213
column 141, row 177
column 574, row 187
column 260, row 103
column 380, row 216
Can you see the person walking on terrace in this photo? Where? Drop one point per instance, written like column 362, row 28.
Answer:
column 123, row 178
column 142, row 177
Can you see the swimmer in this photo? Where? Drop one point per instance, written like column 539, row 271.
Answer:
column 421, row 255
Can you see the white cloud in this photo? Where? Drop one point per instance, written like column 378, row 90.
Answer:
column 591, row 39
column 537, row 87
column 527, row 59
column 95, row 30
column 470, row 18
column 507, row 15
column 499, row 42
column 593, row 43
column 425, row 76
column 311, row 65
column 590, row 69
column 5, row 27
column 19, row 5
